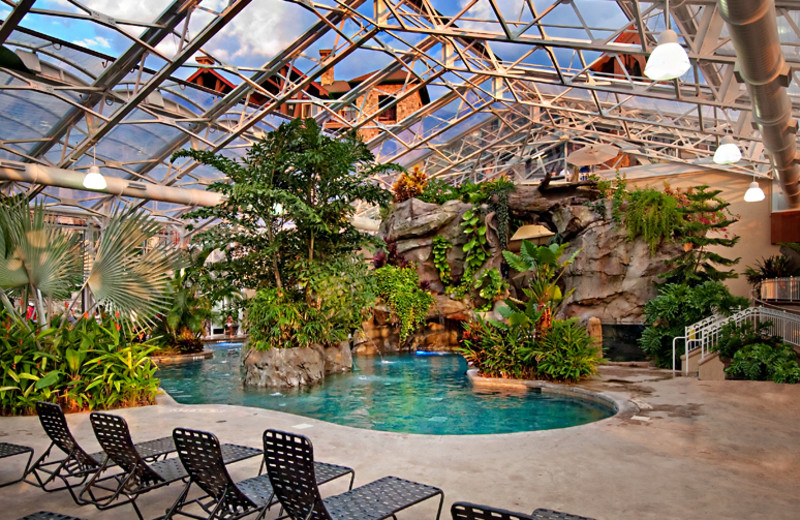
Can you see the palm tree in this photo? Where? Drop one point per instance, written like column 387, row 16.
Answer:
column 41, row 262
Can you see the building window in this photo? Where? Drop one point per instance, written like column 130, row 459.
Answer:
column 387, row 115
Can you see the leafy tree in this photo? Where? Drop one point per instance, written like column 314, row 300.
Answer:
column 289, row 198
column 284, row 221
column 707, row 219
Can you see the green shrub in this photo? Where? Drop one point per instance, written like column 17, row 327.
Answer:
column 438, row 191
column 565, row 353
column 765, row 362
column 496, row 350
column 679, row 305
column 86, row 365
column 733, row 337
column 325, row 306
column 399, row 288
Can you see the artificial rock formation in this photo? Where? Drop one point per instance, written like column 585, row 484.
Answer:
column 293, row 367
column 612, row 276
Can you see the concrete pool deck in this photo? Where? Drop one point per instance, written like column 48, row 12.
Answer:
column 694, row 449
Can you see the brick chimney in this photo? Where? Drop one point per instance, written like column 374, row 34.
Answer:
column 327, row 76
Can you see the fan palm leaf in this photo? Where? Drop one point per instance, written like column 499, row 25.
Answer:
column 129, row 273
column 37, row 254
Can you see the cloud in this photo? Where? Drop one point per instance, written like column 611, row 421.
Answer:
column 97, row 41
column 262, row 29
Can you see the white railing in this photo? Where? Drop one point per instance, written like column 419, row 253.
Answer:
column 704, row 334
column 780, row 289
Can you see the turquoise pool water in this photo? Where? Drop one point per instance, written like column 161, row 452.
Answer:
column 407, row 393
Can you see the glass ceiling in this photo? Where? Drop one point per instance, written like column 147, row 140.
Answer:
column 461, row 88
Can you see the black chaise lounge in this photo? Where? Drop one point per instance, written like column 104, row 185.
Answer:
column 46, row 515
column 201, row 455
column 290, row 466
column 137, row 476
column 11, row 450
column 467, row 511
column 74, row 465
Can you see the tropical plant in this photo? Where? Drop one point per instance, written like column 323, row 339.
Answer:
column 677, row 306
column 288, row 200
column 733, row 337
column 544, row 265
column 409, row 185
column 440, row 248
column 85, row 364
column 181, row 326
column 490, row 285
column 654, row 216
column 496, row 349
column 565, row 353
column 342, row 292
column 438, row 191
column 40, row 262
column 285, row 223
column 777, row 266
column 475, row 249
column 766, row 362
column 496, row 193
column 706, row 222
column 400, row 289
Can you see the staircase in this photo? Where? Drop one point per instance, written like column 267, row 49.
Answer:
column 701, row 336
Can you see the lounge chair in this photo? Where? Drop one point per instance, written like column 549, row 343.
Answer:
column 11, row 450
column 290, row 466
column 467, row 511
column 137, row 476
column 46, row 515
column 201, row 456
column 75, row 465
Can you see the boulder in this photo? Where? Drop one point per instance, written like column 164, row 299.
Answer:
column 612, row 276
column 447, row 307
column 571, row 220
column 414, row 218
column 293, row 367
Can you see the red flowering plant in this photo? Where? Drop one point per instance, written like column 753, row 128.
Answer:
column 707, row 220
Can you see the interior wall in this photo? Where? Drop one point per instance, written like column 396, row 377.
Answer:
column 754, row 217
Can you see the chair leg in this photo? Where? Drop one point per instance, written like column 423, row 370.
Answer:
column 178, row 502
column 441, row 502
column 24, row 472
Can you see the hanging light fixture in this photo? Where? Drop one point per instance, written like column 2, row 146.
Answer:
column 668, row 60
column 754, row 193
column 94, row 180
column 727, row 152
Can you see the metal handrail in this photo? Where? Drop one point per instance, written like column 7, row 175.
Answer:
column 705, row 333
column 785, row 289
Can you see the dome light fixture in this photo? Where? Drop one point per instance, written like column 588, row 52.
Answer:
column 727, row 152
column 668, row 60
column 754, row 193
column 94, row 180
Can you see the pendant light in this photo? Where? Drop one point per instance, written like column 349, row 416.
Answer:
column 727, row 152
column 668, row 60
column 754, row 193
column 94, row 180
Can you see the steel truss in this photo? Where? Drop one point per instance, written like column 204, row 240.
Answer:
column 513, row 86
